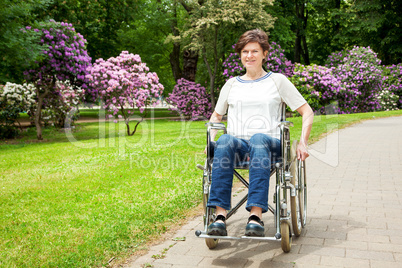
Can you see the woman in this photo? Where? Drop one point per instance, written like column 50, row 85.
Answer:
column 253, row 104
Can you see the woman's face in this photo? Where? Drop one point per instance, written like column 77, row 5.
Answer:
column 252, row 56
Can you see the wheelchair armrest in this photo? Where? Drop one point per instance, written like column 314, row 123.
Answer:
column 215, row 125
column 285, row 123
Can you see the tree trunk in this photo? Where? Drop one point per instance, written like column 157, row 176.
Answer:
column 38, row 112
column 297, row 51
column 175, row 61
column 175, row 54
column 38, row 116
column 190, row 59
column 212, row 73
column 301, row 49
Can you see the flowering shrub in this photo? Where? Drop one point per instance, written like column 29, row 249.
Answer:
column 317, row 84
column 21, row 96
column 190, row 99
column 14, row 99
column 277, row 62
column 388, row 100
column 359, row 72
column 124, row 83
column 392, row 81
column 59, row 106
column 64, row 58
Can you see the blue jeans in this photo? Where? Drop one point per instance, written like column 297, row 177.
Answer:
column 263, row 151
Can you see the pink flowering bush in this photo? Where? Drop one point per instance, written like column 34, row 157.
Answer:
column 277, row 62
column 124, row 83
column 360, row 73
column 190, row 99
column 60, row 107
column 64, row 58
column 317, row 84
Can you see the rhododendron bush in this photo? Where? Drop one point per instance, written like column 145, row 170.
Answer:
column 317, row 84
column 352, row 81
column 14, row 99
column 190, row 99
column 125, row 85
column 64, row 58
column 61, row 107
column 360, row 73
column 390, row 96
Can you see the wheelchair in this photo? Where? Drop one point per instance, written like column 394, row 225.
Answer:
column 291, row 187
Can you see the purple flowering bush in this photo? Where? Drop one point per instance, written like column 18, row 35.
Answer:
column 360, row 73
column 317, row 84
column 124, row 83
column 277, row 62
column 64, row 58
column 190, row 99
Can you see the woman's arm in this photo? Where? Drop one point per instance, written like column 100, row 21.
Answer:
column 308, row 118
column 215, row 118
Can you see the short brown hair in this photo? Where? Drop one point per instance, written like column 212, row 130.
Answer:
column 256, row 35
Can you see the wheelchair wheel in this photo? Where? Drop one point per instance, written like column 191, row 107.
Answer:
column 286, row 236
column 296, row 208
column 303, row 192
column 211, row 243
column 208, row 212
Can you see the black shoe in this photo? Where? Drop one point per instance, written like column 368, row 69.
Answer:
column 253, row 229
column 218, row 228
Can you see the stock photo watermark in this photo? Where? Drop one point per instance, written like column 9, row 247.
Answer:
column 115, row 136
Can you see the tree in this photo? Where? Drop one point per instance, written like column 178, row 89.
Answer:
column 301, row 49
column 99, row 21
column 379, row 24
column 16, row 49
column 64, row 57
column 124, row 83
column 210, row 22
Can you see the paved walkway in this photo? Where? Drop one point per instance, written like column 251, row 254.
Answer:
column 354, row 213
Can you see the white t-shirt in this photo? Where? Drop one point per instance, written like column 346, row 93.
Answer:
column 254, row 106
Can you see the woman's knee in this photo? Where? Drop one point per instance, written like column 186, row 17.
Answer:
column 260, row 139
column 225, row 140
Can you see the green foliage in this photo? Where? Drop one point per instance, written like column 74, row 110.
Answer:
column 214, row 26
column 8, row 117
column 146, row 34
column 379, row 25
column 17, row 50
column 98, row 21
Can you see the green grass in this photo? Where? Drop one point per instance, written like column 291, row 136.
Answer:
column 94, row 113
column 79, row 199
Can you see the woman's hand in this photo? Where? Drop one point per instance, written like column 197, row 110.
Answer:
column 301, row 151
column 307, row 122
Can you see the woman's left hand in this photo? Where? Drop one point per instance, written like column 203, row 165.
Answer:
column 301, row 151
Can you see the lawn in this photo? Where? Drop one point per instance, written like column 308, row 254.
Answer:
column 79, row 199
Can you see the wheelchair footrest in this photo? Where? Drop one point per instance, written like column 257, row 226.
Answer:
column 265, row 238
